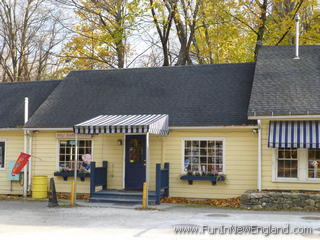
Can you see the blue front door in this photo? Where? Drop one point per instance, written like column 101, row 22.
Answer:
column 135, row 169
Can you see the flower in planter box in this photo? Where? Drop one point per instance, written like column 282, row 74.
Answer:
column 214, row 172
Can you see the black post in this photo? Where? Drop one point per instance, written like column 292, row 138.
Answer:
column 158, row 182
column 167, row 166
column 53, row 201
column 92, row 178
column 105, row 165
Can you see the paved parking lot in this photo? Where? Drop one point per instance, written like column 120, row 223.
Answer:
column 34, row 220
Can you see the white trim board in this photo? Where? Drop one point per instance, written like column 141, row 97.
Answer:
column 11, row 129
column 173, row 127
column 48, row 129
column 217, row 127
column 284, row 117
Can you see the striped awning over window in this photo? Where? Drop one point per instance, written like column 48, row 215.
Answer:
column 152, row 123
column 294, row 134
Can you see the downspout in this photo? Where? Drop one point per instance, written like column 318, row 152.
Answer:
column 30, row 162
column 25, row 132
column 75, row 170
column 147, row 164
column 259, row 156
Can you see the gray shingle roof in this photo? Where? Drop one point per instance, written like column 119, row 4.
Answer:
column 12, row 100
column 201, row 95
column 283, row 85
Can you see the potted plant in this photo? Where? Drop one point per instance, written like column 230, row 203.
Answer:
column 214, row 176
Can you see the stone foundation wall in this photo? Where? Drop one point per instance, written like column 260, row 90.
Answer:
column 280, row 200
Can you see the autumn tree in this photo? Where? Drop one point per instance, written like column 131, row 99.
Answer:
column 29, row 32
column 219, row 37
column 100, row 37
column 185, row 19
column 272, row 21
column 162, row 14
column 282, row 22
column 181, row 32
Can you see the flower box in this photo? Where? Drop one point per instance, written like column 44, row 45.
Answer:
column 212, row 179
column 65, row 175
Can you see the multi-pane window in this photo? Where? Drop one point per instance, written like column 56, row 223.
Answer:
column 288, row 163
column 314, row 163
column 67, row 152
column 2, row 154
column 203, row 156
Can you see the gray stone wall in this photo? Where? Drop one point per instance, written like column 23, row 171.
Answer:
column 280, row 200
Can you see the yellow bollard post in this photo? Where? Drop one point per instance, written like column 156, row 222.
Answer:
column 72, row 194
column 144, row 196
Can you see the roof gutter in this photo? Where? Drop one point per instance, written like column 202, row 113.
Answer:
column 216, row 127
column 173, row 127
column 48, row 129
column 11, row 129
column 283, row 117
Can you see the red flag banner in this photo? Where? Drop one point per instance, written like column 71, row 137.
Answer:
column 20, row 163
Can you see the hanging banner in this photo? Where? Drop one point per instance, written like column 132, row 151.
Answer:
column 20, row 163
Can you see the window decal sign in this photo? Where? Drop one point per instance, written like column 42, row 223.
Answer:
column 20, row 163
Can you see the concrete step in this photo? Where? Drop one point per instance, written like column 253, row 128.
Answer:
column 123, row 194
column 133, row 197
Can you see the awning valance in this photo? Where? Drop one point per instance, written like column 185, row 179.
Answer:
column 148, row 123
column 294, row 134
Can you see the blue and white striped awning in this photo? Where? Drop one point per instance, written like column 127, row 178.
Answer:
column 149, row 123
column 294, row 134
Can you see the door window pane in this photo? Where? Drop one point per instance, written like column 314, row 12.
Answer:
column 136, row 150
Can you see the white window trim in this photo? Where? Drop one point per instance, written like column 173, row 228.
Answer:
column 71, row 139
column 204, row 139
column 5, row 154
column 302, row 168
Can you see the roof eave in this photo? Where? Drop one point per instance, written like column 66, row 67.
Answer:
column 216, row 127
column 261, row 117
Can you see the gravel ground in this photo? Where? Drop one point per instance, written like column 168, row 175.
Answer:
column 34, row 220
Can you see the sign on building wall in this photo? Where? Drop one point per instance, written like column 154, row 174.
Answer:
column 20, row 163
column 70, row 135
